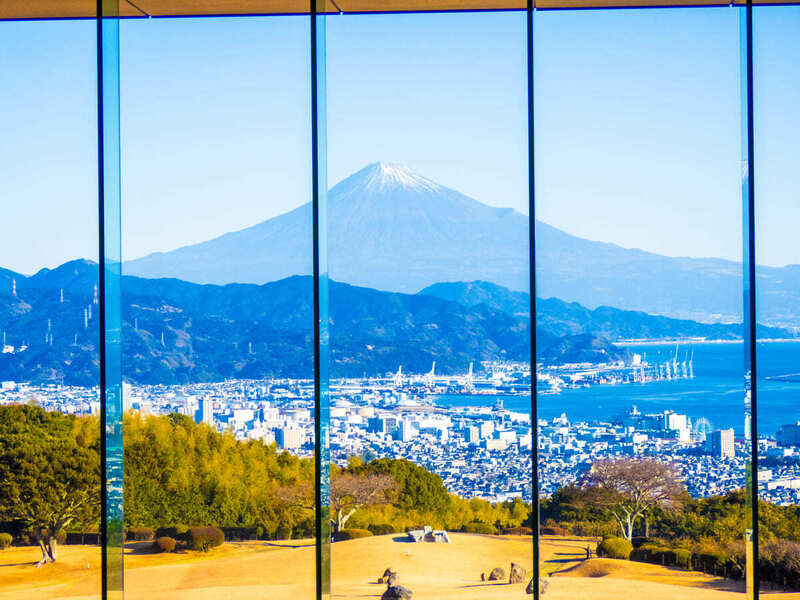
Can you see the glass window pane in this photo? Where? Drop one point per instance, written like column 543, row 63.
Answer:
column 429, row 304
column 217, row 307
column 643, row 447
column 49, row 321
column 776, row 53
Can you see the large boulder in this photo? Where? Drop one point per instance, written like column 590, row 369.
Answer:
column 386, row 575
column 393, row 580
column 543, row 584
column 517, row 574
column 396, row 592
column 497, row 574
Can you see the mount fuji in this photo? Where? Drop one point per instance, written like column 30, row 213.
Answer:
column 388, row 228
column 392, row 229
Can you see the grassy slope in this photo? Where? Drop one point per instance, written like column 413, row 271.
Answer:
column 266, row 571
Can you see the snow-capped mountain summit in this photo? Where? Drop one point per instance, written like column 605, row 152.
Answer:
column 381, row 176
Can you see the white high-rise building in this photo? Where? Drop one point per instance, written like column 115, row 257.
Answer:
column 722, row 443
column 205, row 411
column 406, row 431
column 289, row 438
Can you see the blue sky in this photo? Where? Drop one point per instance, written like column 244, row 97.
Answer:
column 637, row 127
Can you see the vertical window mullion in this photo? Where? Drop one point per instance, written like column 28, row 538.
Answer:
column 110, row 300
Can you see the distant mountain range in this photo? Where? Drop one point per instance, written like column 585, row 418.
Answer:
column 570, row 318
column 392, row 229
column 177, row 332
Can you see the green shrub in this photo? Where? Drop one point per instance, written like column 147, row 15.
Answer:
column 591, row 528
column 177, row 532
column 615, row 547
column 554, row 530
column 141, row 534
column 381, row 528
column 655, row 554
column 260, row 532
column 713, row 563
column 304, row 529
column 779, row 563
column 283, row 533
column 683, row 558
column 518, row 531
column 639, row 555
column 204, row 538
column 5, row 540
column 483, row 528
column 61, row 537
column 352, row 534
column 164, row 544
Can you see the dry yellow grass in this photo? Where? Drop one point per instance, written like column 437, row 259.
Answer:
column 285, row 571
column 438, row 571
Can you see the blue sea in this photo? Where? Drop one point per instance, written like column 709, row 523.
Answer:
column 716, row 392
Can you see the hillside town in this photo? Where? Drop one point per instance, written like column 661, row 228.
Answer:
column 457, row 427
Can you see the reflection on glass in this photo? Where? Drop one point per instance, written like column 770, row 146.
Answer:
column 429, row 308
column 643, row 444
column 321, row 298
column 776, row 52
column 49, row 322
column 111, row 311
column 217, row 308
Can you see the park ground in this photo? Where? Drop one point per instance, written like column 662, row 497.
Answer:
column 281, row 570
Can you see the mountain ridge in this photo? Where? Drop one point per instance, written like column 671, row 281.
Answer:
column 571, row 318
column 177, row 332
column 391, row 229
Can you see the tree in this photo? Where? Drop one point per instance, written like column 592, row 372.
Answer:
column 417, row 488
column 629, row 488
column 349, row 492
column 49, row 473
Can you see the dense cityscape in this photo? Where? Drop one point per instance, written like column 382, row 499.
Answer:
column 480, row 449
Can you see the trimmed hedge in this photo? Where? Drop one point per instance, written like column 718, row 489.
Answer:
column 381, row 528
column 164, row 544
column 483, row 528
column 554, row 530
column 683, row 558
column 5, row 540
column 779, row 563
column 141, row 534
column 352, row 534
column 205, row 538
column 177, row 532
column 78, row 538
column 615, row 547
column 714, row 563
column 518, row 531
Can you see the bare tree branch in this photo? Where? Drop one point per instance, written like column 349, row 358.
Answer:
column 631, row 487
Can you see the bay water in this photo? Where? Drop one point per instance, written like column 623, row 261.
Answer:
column 716, row 393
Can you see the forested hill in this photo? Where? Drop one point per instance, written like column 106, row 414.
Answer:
column 570, row 318
column 176, row 332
